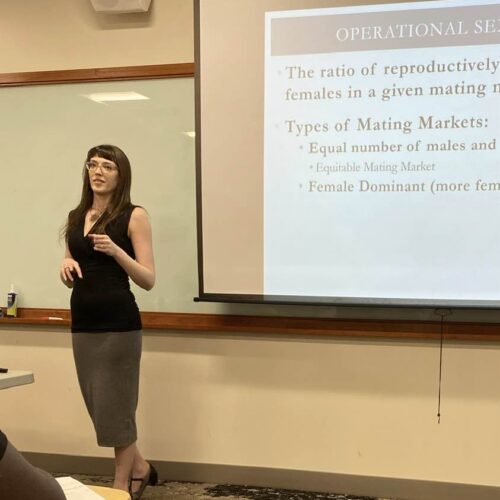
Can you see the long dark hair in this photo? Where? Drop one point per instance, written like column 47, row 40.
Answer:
column 120, row 200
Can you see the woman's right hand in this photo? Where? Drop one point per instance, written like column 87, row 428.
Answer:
column 69, row 266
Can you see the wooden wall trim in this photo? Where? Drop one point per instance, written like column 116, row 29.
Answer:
column 97, row 74
column 207, row 323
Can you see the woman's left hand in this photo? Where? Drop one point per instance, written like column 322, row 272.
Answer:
column 103, row 243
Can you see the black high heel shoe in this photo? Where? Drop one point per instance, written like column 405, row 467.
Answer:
column 151, row 478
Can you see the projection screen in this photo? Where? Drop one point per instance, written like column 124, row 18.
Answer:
column 347, row 154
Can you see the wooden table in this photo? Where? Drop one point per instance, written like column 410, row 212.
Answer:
column 110, row 493
column 15, row 377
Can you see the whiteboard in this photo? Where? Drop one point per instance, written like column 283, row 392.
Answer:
column 46, row 133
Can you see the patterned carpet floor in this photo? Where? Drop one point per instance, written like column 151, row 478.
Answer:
column 166, row 490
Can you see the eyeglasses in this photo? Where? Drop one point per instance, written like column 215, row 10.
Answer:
column 106, row 168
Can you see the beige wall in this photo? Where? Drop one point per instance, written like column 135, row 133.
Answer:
column 356, row 407
column 344, row 406
column 39, row 35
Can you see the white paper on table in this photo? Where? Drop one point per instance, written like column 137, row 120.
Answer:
column 74, row 490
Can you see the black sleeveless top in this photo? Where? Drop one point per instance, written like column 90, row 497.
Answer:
column 102, row 301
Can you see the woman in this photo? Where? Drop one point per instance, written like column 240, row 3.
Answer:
column 109, row 240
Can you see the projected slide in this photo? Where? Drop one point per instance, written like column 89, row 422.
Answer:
column 381, row 152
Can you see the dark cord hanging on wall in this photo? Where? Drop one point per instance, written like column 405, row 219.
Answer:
column 442, row 313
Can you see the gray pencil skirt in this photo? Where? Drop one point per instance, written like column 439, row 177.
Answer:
column 108, row 365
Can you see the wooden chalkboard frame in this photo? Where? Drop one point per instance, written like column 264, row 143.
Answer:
column 97, row 74
column 272, row 325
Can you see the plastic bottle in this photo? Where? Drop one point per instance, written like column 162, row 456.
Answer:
column 12, row 303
